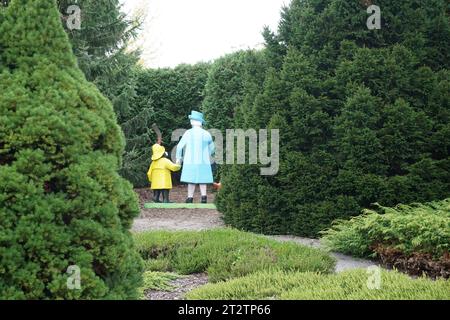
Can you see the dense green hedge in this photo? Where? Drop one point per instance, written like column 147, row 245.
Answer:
column 62, row 202
column 165, row 97
column 227, row 86
column 349, row 285
column 364, row 115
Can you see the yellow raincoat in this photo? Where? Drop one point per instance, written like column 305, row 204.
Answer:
column 160, row 170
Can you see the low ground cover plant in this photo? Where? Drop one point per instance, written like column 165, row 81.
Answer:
column 415, row 238
column 350, row 285
column 226, row 253
column 159, row 281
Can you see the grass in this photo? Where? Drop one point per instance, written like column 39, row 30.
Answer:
column 226, row 254
column 350, row 285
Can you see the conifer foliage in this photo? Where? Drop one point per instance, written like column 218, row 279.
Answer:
column 363, row 115
column 62, row 202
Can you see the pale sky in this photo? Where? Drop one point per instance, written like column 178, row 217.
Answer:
column 190, row 31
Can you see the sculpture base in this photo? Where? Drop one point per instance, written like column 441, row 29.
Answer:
column 207, row 206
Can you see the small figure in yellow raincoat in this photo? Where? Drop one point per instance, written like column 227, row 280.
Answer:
column 159, row 173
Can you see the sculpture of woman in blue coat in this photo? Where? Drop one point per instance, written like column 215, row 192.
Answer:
column 195, row 149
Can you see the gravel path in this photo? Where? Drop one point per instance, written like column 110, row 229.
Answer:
column 176, row 219
column 343, row 262
column 197, row 220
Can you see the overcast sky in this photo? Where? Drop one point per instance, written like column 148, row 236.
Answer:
column 189, row 31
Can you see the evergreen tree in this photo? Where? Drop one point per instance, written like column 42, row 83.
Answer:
column 255, row 66
column 363, row 115
column 62, row 202
column 224, row 90
column 100, row 46
column 233, row 83
column 101, row 49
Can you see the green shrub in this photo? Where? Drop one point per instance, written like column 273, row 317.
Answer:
column 363, row 115
column 350, row 285
column 226, row 254
column 417, row 228
column 62, row 202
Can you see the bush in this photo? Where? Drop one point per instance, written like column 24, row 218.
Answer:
column 415, row 232
column 349, row 285
column 419, row 228
column 62, row 202
column 363, row 115
column 226, row 254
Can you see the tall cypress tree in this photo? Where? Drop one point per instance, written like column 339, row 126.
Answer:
column 63, row 206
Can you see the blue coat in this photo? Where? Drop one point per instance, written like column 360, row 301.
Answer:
column 196, row 148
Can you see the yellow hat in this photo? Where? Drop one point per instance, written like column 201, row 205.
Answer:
column 157, row 151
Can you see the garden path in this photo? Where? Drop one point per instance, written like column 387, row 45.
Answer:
column 205, row 219
column 198, row 220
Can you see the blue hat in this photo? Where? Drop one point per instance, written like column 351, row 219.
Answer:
column 198, row 116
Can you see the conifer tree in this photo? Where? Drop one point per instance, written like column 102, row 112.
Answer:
column 363, row 115
column 101, row 47
column 224, row 91
column 63, row 206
